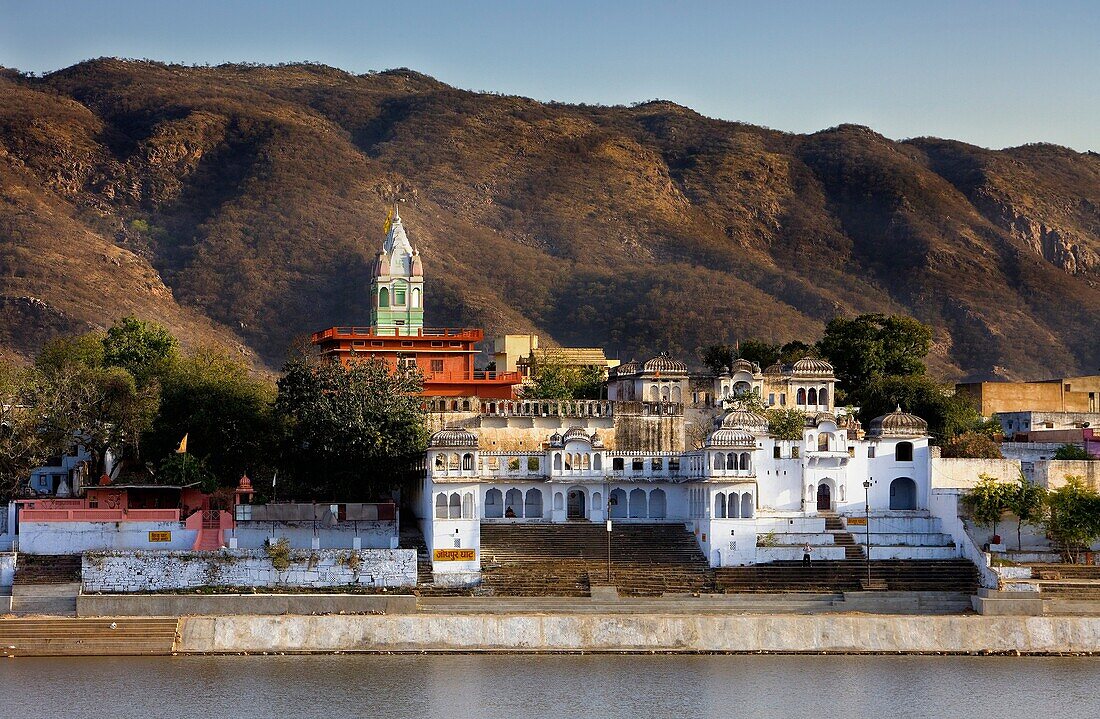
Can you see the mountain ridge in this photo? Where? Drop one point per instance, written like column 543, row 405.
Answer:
column 242, row 204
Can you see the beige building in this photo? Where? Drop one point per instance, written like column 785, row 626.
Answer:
column 1067, row 394
column 513, row 353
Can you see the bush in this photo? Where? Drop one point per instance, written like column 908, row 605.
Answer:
column 1072, row 451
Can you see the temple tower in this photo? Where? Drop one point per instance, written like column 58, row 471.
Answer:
column 397, row 284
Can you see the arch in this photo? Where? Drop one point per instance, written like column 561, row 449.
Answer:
column 903, row 493
column 811, row 397
column 720, row 505
column 416, row 297
column 734, row 510
column 597, row 500
column 568, row 461
column 741, row 388
column 824, row 497
column 747, row 505
column 453, row 461
column 468, row 505
column 586, row 461
column 454, row 507
column 597, row 462
column 384, row 297
column 664, row 393
column 557, row 461
column 532, row 504
column 441, row 506
column 441, row 462
column 731, row 461
column 618, row 504
column 654, row 393
column 638, row 508
column 468, row 461
column 903, row 452
column 823, row 397
column 744, row 461
column 559, row 501
column 574, row 503
column 800, row 397
column 513, row 503
column 494, row 504
column 823, row 442
column 719, row 462
column 657, row 504
column 676, row 394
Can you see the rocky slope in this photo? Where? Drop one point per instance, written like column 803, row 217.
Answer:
column 241, row 205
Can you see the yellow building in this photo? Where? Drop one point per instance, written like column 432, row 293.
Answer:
column 513, row 353
column 1067, row 394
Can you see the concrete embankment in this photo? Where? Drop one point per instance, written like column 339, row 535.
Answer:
column 838, row 633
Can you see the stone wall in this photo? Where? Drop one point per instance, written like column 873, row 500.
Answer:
column 161, row 571
column 77, row 537
column 648, row 632
column 1052, row 473
column 7, row 569
column 372, row 535
column 177, row 605
column 962, row 473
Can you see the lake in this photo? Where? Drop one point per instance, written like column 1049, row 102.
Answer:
column 560, row 686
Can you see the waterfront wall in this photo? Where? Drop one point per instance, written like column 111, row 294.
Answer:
column 161, row 571
column 7, row 569
column 77, row 537
column 176, row 605
column 639, row 633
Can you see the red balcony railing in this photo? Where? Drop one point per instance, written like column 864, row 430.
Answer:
column 99, row 515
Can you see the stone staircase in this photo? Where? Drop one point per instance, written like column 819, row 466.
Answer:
column 1077, row 582
column 68, row 637
column 569, row 559
column 842, row 537
column 910, row 575
column 46, row 584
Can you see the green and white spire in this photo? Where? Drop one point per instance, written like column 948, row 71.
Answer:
column 397, row 284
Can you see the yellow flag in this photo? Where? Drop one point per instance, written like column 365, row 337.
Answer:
column 389, row 221
column 182, row 449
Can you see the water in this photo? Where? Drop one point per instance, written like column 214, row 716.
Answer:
column 559, row 686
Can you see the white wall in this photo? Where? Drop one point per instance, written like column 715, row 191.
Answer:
column 77, row 537
column 373, row 535
column 7, row 569
column 159, row 571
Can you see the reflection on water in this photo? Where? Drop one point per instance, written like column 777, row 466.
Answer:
column 560, row 686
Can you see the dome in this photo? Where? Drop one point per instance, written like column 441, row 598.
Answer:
column 731, row 438
column 664, row 363
column 575, row 433
column 245, row 484
column 774, row 369
column 597, row 440
column 824, row 417
column 555, row 440
column 898, row 424
column 743, row 365
column 745, row 420
column 625, row 369
column 812, row 367
column 453, row 438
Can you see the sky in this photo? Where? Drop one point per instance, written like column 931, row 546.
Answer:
column 996, row 74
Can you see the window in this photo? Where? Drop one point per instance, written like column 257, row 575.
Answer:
column 851, row 450
column 437, row 343
column 871, row 452
column 776, row 452
column 782, row 399
column 771, row 398
column 617, row 464
column 468, row 461
column 794, row 452
column 903, row 452
column 437, row 366
column 656, row 464
column 532, row 464
column 399, row 296
column 416, row 297
column 384, row 297
column 800, row 397
column 674, row 464
column 637, row 464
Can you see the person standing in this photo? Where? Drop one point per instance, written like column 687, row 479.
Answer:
column 806, row 555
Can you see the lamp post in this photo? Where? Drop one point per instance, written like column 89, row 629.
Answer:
column 607, row 517
column 867, row 524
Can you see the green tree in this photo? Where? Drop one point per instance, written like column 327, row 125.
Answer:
column 760, row 352
column 947, row 414
column 794, row 351
column 23, row 444
column 1028, row 502
column 550, row 378
column 227, row 413
column 142, row 348
column 718, row 358
column 83, row 350
column 184, row 469
column 351, row 432
column 1073, row 519
column 873, row 346
column 786, row 423
column 973, row 445
column 1072, row 451
column 987, row 501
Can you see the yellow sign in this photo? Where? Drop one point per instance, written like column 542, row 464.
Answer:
column 454, row 555
column 160, row 536
column 857, row 521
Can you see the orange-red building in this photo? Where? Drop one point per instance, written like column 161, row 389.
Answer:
column 445, row 356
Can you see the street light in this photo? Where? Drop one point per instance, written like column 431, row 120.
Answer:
column 607, row 518
column 867, row 524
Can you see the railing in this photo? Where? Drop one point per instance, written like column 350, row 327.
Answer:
column 547, row 408
column 467, row 333
column 99, row 515
column 508, row 377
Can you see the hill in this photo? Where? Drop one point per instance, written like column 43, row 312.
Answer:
column 242, row 204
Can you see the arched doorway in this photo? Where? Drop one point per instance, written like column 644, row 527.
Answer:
column 657, row 504
column 903, row 493
column 575, row 504
column 824, row 498
column 618, row 504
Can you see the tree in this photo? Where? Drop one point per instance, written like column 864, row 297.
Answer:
column 794, row 351
column 947, row 414
column 1073, row 519
column 85, row 350
column 971, row 444
column 23, row 444
column 351, row 432
column 1028, row 502
column 718, row 358
column 184, row 469
column 550, row 378
column 874, row 346
column 1072, row 451
column 141, row 348
column 786, row 423
column 227, row 413
column 987, row 501
column 760, row 352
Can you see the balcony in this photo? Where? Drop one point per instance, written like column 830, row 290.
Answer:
column 99, row 515
column 469, row 334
